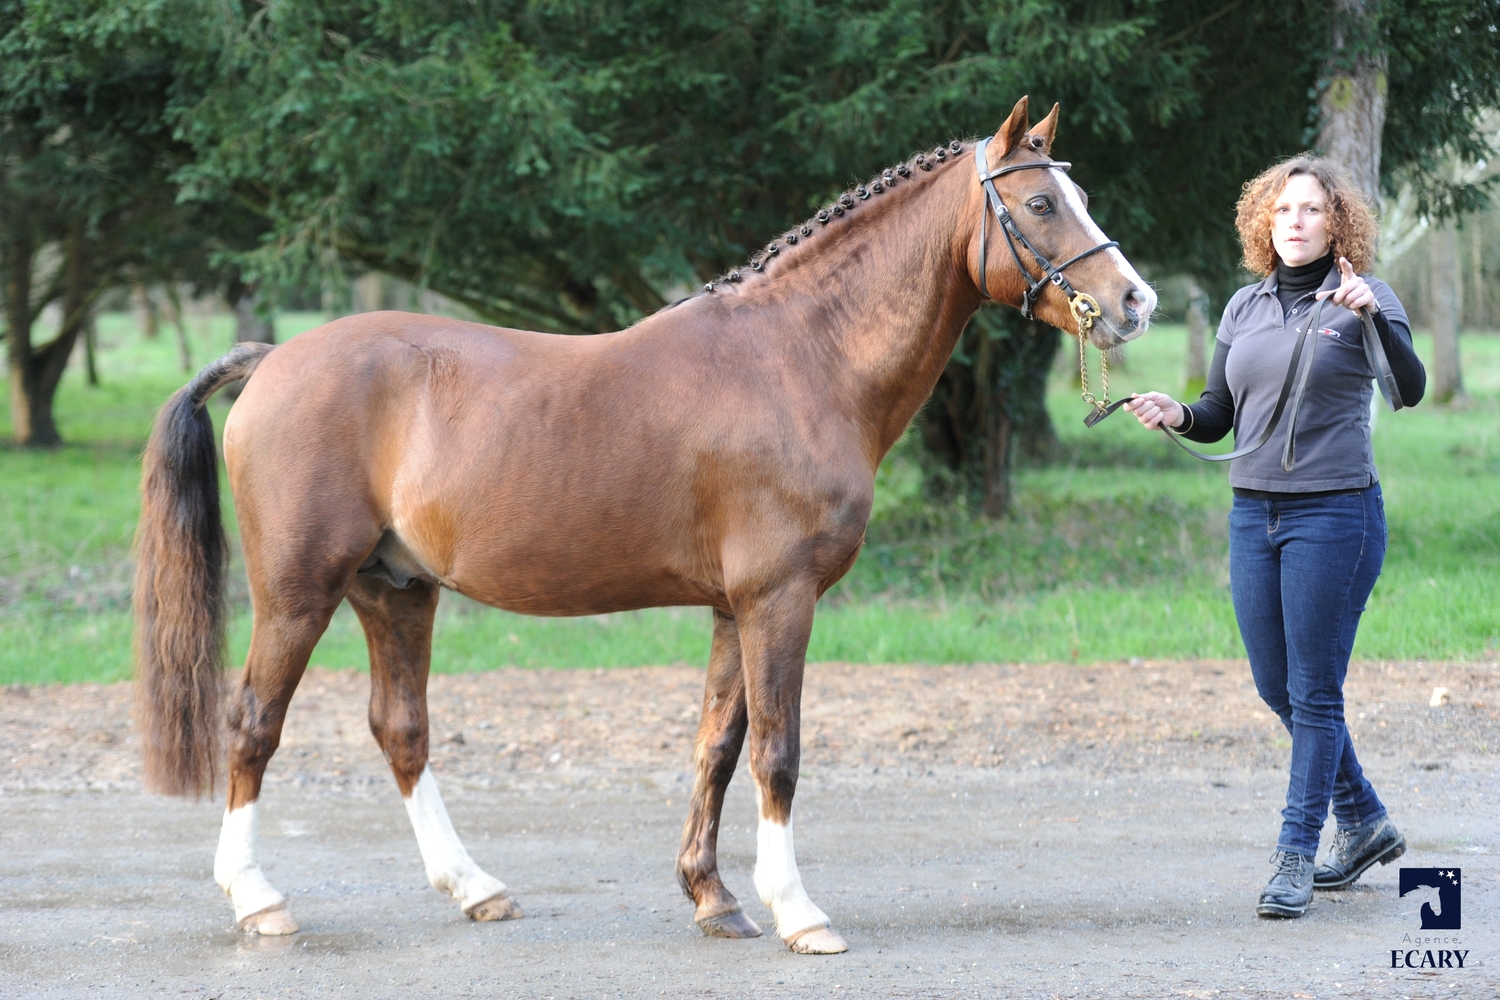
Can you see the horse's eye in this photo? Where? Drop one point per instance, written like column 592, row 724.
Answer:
column 1039, row 206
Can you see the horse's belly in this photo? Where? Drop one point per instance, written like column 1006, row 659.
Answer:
column 548, row 563
column 560, row 590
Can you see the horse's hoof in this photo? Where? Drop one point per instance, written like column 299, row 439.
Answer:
column 817, row 941
column 270, row 923
column 730, row 924
column 500, row 907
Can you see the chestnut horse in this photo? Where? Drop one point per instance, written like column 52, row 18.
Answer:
column 721, row 452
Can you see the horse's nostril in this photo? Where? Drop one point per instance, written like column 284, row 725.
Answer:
column 1137, row 303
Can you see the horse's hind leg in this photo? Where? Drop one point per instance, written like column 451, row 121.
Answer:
column 280, row 644
column 721, row 734
column 398, row 628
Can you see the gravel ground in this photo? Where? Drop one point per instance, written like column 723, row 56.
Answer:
column 1008, row 831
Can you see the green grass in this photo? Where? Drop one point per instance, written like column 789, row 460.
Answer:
column 1117, row 551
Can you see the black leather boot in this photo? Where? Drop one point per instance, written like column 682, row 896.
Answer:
column 1356, row 849
column 1290, row 891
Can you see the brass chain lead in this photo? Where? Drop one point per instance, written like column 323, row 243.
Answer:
column 1087, row 310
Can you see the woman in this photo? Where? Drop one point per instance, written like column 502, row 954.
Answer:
column 1305, row 546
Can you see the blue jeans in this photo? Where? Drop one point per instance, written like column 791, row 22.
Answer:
column 1300, row 572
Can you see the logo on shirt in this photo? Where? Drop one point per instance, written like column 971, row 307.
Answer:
column 1329, row 333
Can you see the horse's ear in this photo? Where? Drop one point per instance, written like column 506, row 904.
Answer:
column 1013, row 132
column 1045, row 131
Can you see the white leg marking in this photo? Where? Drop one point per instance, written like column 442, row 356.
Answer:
column 235, row 867
column 449, row 866
column 779, row 883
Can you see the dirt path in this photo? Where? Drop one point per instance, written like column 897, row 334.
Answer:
column 975, row 831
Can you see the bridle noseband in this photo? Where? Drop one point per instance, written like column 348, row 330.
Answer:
column 1050, row 272
column 1083, row 305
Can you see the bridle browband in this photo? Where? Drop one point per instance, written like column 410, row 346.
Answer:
column 1052, row 273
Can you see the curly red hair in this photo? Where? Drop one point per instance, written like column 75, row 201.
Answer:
column 1352, row 226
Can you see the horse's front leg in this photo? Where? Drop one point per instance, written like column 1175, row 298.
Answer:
column 774, row 630
column 721, row 734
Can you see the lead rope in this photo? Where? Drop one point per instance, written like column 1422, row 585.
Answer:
column 1087, row 310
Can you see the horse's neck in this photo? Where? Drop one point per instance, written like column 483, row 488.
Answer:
column 903, row 296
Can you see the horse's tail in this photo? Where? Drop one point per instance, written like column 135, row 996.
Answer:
column 178, row 598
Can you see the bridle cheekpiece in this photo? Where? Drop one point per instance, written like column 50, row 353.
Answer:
column 1082, row 305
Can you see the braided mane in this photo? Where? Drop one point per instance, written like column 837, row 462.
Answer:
column 792, row 243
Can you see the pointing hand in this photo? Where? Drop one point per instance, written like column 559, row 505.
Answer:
column 1353, row 292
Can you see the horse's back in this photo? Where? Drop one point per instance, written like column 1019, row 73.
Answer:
column 541, row 473
column 510, row 463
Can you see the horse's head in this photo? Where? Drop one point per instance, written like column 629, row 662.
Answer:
column 1050, row 213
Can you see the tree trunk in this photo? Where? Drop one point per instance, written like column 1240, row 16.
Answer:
column 1352, row 103
column 1017, row 417
column 20, row 253
column 1479, row 294
column 35, row 372
column 1445, row 308
column 369, row 293
column 147, row 320
column 990, row 404
column 997, row 437
column 1036, row 438
column 1197, row 331
column 179, row 322
column 91, row 351
column 250, row 324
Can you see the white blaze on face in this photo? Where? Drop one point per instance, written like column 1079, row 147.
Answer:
column 779, row 883
column 235, row 867
column 1075, row 204
column 448, row 864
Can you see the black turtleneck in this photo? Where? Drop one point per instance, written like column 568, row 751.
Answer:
column 1294, row 282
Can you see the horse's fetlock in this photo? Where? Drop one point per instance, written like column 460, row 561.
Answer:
column 685, row 879
column 700, row 880
column 695, row 864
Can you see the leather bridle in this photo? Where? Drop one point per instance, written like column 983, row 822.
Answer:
column 1084, row 307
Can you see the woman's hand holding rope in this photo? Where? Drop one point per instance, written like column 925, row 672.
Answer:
column 1155, row 409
